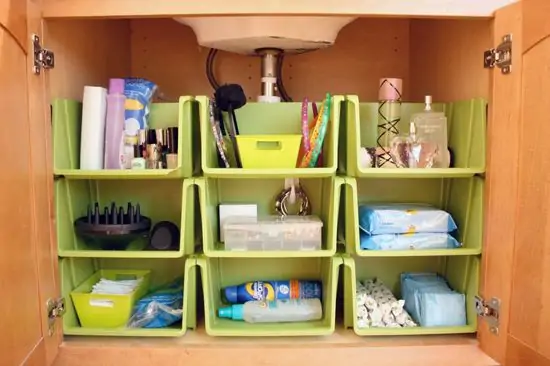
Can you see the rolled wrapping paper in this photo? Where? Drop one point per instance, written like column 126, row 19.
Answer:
column 390, row 89
column 92, row 141
column 389, row 115
column 378, row 307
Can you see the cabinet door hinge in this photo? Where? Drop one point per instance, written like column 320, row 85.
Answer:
column 43, row 58
column 56, row 309
column 489, row 310
column 501, row 56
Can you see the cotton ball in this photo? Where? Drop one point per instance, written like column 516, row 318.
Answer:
column 362, row 312
column 376, row 316
column 363, row 323
column 371, row 303
column 361, row 299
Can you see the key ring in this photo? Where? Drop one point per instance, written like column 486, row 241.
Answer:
column 281, row 201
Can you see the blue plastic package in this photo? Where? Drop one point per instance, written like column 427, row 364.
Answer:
column 404, row 219
column 139, row 94
column 431, row 302
column 420, row 241
column 160, row 308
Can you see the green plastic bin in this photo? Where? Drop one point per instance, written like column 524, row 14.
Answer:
column 269, row 119
column 323, row 194
column 108, row 311
column 217, row 273
column 160, row 200
column 466, row 128
column 462, row 273
column 461, row 197
column 75, row 271
column 66, row 119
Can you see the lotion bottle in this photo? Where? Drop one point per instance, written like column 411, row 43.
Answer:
column 114, row 125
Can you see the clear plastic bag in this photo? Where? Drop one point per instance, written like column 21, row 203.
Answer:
column 160, row 308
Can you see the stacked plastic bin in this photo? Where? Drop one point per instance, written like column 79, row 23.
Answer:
column 163, row 195
column 221, row 267
column 457, row 190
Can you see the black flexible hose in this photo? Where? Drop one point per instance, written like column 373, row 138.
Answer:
column 210, row 68
column 280, row 85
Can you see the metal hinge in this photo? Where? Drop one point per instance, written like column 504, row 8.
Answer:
column 501, row 56
column 43, row 58
column 56, row 309
column 489, row 310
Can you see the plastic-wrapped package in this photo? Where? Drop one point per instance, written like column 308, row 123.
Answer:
column 404, row 219
column 160, row 308
column 408, row 241
column 431, row 302
column 378, row 307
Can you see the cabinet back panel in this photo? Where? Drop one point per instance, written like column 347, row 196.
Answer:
column 438, row 57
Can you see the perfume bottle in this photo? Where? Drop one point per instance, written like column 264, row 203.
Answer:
column 432, row 126
column 411, row 151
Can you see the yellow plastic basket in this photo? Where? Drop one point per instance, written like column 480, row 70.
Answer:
column 269, row 151
column 107, row 311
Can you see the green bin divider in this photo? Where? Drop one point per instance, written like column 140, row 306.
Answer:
column 66, row 119
column 466, row 126
column 218, row 273
column 461, row 197
column 160, row 200
column 461, row 272
column 269, row 119
column 324, row 197
column 75, row 271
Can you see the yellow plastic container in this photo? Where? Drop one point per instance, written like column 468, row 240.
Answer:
column 108, row 311
column 269, row 151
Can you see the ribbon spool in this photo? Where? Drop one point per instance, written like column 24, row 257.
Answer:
column 284, row 196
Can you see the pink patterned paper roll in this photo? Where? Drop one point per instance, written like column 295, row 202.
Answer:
column 390, row 89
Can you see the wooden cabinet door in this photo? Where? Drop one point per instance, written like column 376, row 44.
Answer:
column 27, row 271
column 517, row 237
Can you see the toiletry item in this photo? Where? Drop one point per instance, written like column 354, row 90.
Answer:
column 152, row 148
column 410, row 151
column 139, row 163
column 431, row 301
column 273, row 290
column 389, row 116
column 376, row 219
column 235, row 210
column 92, row 141
column 171, row 161
column 432, row 126
column 139, row 94
column 165, row 235
column 416, row 241
column 161, row 147
column 272, row 233
column 216, row 124
column 230, row 97
column 377, row 307
column 279, row 311
column 114, row 125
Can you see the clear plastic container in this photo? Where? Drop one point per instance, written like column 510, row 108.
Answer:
column 273, row 233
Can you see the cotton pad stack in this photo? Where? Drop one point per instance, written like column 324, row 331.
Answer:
column 110, row 287
column 378, row 308
column 405, row 226
column 431, row 302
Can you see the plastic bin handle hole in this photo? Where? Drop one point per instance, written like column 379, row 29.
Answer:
column 269, row 145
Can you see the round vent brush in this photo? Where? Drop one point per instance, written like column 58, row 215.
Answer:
column 113, row 230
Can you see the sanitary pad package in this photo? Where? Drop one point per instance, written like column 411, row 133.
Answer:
column 431, row 302
column 403, row 219
column 408, row 241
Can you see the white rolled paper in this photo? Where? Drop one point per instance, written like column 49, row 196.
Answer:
column 92, row 141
